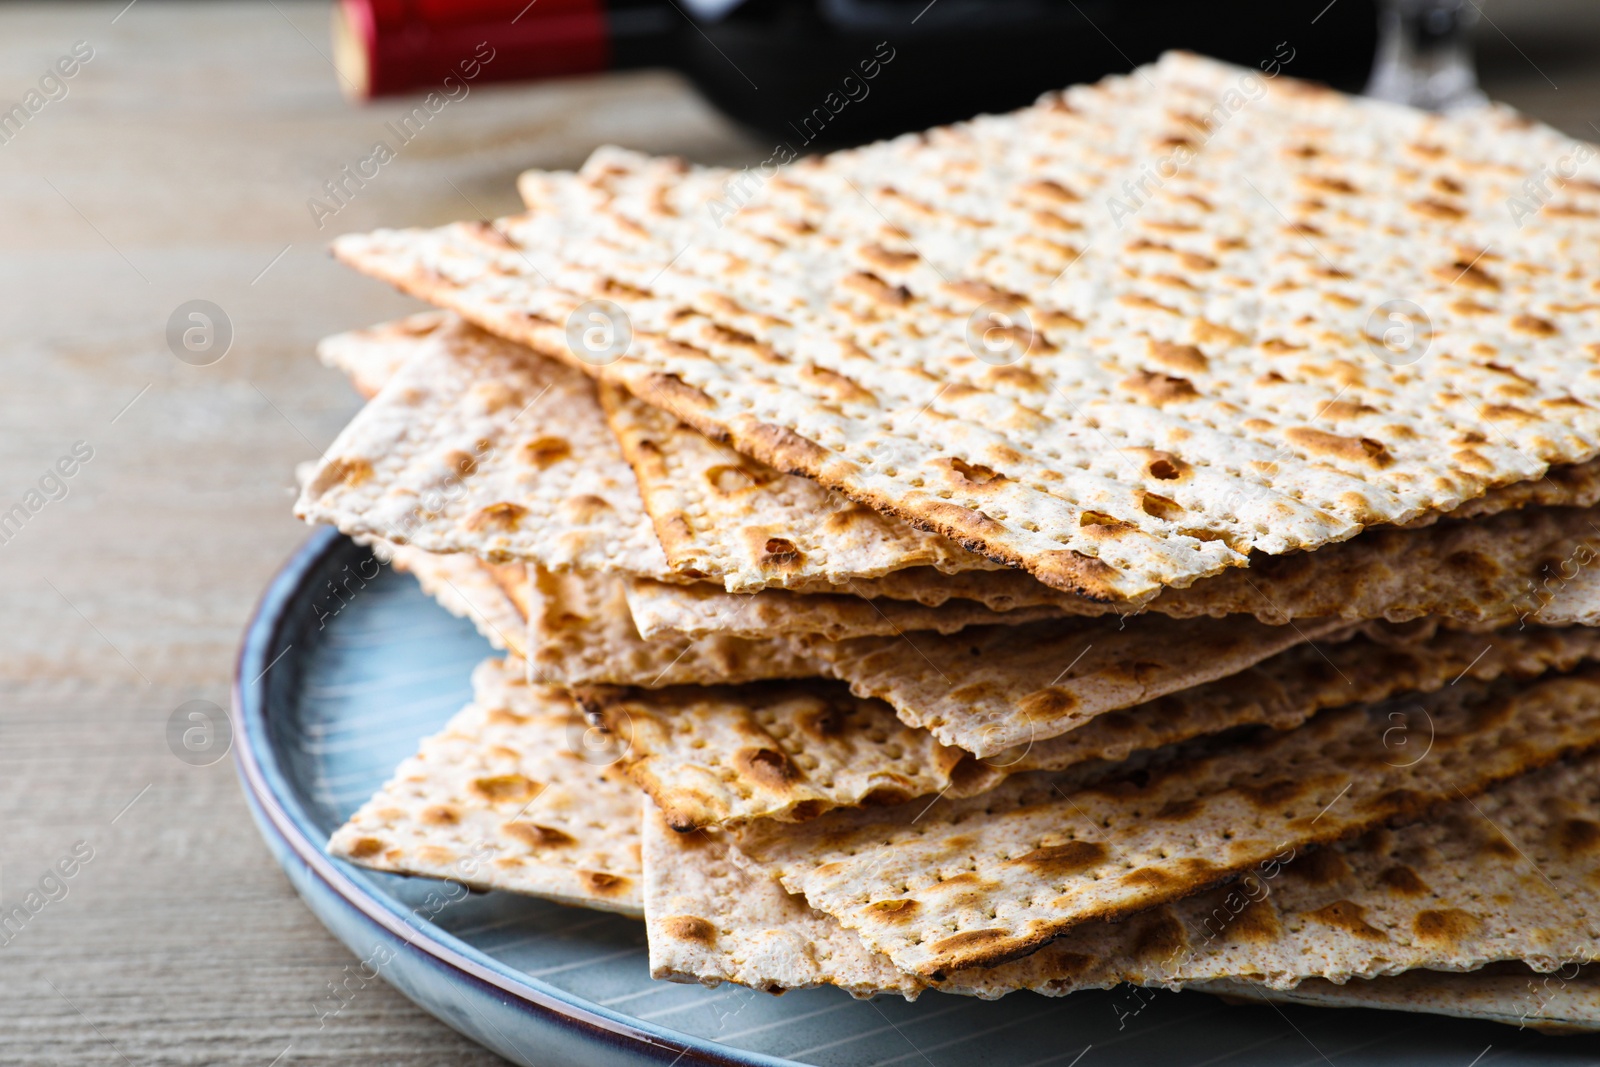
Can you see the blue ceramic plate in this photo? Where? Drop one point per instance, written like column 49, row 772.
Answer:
column 340, row 676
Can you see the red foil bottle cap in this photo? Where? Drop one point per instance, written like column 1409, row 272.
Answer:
column 381, row 47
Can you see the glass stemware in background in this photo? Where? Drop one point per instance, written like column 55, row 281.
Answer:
column 1425, row 55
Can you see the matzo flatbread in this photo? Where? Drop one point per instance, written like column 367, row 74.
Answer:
column 981, row 880
column 718, row 512
column 583, row 634
column 504, row 798
column 1508, row 876
column 479, row 446
column 1552, row 1004
column 1486, row 571
column 710, row 922
column 700, row 608
column 729, row 754
column 371, row 356
column 988, row 688
column 711, row 756
column 1169, row 417
column 468, row 589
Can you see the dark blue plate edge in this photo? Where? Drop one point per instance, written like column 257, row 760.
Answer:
column 292, row 838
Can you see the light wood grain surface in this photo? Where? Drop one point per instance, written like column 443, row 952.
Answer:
column 176, row 167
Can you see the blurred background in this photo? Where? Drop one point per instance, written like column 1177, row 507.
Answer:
column 154, row 155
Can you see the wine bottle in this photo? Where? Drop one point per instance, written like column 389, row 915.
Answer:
column 832, row 72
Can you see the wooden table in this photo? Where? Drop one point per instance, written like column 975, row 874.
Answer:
column 178, row 166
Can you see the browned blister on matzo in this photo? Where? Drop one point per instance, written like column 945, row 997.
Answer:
column 981, row 880
column 720, row 512
column 712, row 756
column 507, row 797
column 699, row 608
column 710, row 922
column 1185, row 381
column 581, row 633
column 477, row 445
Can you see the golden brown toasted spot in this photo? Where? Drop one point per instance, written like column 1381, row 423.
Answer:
column 350, row 471
column 1099, row 524
column 1577, row 835
column 807, row 810
column 1145, row 303
column 1323, row 184
column 877, row 290
column 586, row 507
column 1050, row 190
column 671, row 391
column 1438, row 209
column 737, row 477
column 1402, row 880
column 1179, row 357
column 1045, row 705
column 1276, row 346
column 365, row 847
column 972, row 474
column 1450, row 924
column 824, row 722
column 1257, row 922
column 895, row 911
column 1357, row 449
column 766, row 766
column 1077, row 571
column 1178, row 810
column 536, row 836
column 981, row 292
column 961, row 520
column 435, row 856
column 1147, row 878
column 543, row 451
column 1014, row 374
column 968, row 940
column 1072, row 857
column 780, row 552
column 1350, row 917
column 1160, row 389
column 1535, row 325
column 506, row 787
column 1166, row 467
column 602, row 884
column 1339, row 410
column 842, row 387
column 1465, row 272
column 1162, row 937
column 1160, row 507
column 689, row 928
column 886, row 259
column 440, row 815
column 501, row 516
column 787, row 450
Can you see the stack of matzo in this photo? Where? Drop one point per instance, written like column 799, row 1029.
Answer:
column 1204, row 640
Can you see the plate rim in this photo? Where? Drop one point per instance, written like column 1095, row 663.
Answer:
column 267, row 788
